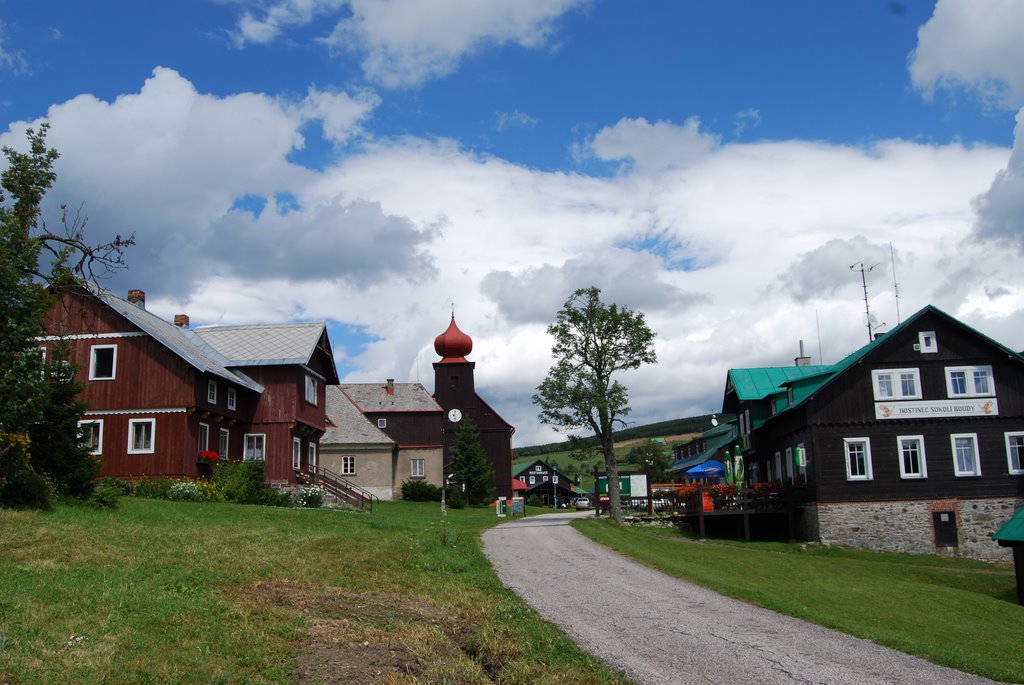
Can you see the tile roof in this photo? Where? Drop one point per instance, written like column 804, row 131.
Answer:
column 264, row 344
column 374, row 397
column 350, row 425
column 177, row 340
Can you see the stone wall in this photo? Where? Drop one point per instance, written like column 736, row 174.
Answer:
column 906, row 526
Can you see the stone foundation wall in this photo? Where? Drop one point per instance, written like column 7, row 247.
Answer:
column 906, row 526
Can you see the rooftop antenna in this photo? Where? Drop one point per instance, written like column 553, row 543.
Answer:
column 895, row 285
column 859, row 266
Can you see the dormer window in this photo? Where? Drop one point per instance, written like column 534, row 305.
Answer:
column 927, row 341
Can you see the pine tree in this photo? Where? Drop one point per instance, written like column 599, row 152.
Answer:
column 470, row 466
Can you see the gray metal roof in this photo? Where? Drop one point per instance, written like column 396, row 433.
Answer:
column 264, row 344
column 177, row 340
column 350, row 426
column 374, row 397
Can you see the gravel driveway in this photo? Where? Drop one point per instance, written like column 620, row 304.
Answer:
column 660, row 629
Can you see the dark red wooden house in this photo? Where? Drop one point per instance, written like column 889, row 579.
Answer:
column 159, row 393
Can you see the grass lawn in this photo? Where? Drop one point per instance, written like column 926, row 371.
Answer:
column 169, row 592
column 955, row 612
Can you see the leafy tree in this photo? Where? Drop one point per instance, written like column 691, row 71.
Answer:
column 593, row 341
column 470, row 465
column 28, row 288
column 655, row 459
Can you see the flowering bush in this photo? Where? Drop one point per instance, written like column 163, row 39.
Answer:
column 208, row 457
column 686, row 492
column 311, row 497
column 729, row 490
column 194, row 491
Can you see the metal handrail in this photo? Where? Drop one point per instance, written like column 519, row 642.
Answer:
column 342, row 487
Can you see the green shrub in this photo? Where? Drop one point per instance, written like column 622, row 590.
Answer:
column 242, row 482
column 123, row 487
column 455, row 499
column 154, row 488
column 26, row 489
column 420, row 491
column 106, row 496
column 534, row 500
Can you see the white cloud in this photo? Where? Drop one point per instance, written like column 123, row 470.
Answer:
column 973, row 44
column 514, row 119
column 653, row 147
column 406, row 42
column 340, row 113
column 734, row 252
column 11, row 59
column 276, row 17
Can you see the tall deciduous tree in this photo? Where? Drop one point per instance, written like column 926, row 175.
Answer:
column 470, row 465
column 36, row 262
column 593, row 341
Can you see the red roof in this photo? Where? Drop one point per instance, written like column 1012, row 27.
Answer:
column 518, row 485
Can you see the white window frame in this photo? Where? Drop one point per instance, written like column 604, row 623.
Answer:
column 901, row 442
column 897, row 384
column 311, row 389
column 927, row 341
column 296, row 453
column 969, row 381
column 224, row 443
column 348, row 465
column 382, row 423
column 311, row 455
column 146, row 449
column 261, row 438
column 1012, row 447
column 203, row 441
column 99, row 433
column 417, row 468
column 868, row 472
column 232, row 399
column 973, row 437
column 533, row 480
column 211, row 391
column 554, row 479
column 92, row 362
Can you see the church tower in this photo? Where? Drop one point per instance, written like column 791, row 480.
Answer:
column 455, row 391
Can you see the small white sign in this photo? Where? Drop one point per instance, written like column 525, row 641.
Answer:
column 927, row 409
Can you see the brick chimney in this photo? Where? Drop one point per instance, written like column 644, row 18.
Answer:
column 137, row 298
column 181, row 320
column 390, row 387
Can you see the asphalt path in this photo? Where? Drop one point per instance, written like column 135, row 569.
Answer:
column 662, row 630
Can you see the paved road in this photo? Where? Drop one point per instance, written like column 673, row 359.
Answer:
column 661, row 630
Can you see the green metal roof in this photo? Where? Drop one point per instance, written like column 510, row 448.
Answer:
column 1013, row 530
column 715, row 439
column 757, row 384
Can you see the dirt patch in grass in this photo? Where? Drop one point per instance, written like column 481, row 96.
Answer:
column 363, row 638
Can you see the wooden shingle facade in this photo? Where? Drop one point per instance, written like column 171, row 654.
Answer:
column 912, row 443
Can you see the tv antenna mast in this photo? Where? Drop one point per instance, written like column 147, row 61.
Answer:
column 864, row 271
column 895, row 285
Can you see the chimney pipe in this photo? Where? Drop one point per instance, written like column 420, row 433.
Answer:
column 802, row 360
column 137, row 298
column 181, row 320
column 391, row 386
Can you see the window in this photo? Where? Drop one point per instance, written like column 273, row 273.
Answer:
column 296, row 453
column 896, row 384
column 965, row 454
column 204, row 437
column 927, row 341
column 348, row 466
column 102, row 362
column 545, row 479
column 90, row 434
column 254, row 446
column 382, row 423
column 970, row 381
column 533, row 480
column 1015, row 452
column 311, row 455
column 911, row 451
column 141, row 434
column 224, row 446
column 417, row 468
column 211, row 392
column 858, row 458
column 310, row 389
column 232, row 398
column 554, row 479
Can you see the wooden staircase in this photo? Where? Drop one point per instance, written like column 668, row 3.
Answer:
column 345, row 490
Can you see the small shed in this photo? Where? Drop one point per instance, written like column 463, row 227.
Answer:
column 1012, row 535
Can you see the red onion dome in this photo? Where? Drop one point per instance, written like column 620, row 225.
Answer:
column 453, row 344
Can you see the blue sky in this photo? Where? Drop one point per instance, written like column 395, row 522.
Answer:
column 370, row 163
